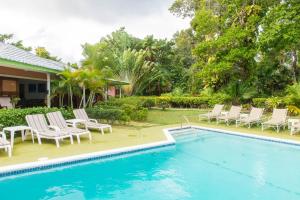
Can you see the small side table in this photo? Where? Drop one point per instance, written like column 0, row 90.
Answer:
column 75, row 122
column 14, row 129
column 224, row 113
column 244, row 115
column 291, row 122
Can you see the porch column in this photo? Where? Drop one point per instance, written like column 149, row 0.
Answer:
column 106, row 92
column 48, row 91
column 83, row 97
column 120, row 91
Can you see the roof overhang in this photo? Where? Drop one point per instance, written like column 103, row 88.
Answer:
column 114, row 82
column 27, row 67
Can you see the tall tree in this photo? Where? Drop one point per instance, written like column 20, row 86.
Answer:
column 279, row 39
column 42, row 52
column 9, row 39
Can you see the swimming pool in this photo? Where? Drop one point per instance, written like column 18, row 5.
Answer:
column 202, row 165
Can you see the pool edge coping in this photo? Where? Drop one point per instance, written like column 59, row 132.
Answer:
column 241, row 134
column 22, row 168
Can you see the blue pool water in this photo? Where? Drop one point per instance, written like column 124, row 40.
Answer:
column 207, row 165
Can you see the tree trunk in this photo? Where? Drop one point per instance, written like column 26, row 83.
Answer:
column 71, row 96
column 294, row 65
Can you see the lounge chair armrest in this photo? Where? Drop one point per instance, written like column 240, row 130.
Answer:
column 56, row 128
column 3, row 135
column 224, row 113
column 244, row 116
column 93, row 120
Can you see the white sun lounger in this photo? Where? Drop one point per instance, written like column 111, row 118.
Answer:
column 216, row 112
column 4, row 144
column 232, row 115
column 39, row 126
column 56, row 119
column 91, row 123
column 255, row 116
column 278, row 119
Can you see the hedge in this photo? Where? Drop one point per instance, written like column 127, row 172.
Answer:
column 171, row 101
column 112, row 112
column 271, row 102
column 14, row 117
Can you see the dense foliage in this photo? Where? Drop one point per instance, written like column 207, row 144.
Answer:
column 246, row 48
column 14, row 117
column 238, row 51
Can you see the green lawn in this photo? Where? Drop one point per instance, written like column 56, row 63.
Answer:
column 171, row 116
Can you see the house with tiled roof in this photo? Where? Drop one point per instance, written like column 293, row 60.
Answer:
column 26, row 75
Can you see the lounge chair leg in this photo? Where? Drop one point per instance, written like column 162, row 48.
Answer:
column 78, row 139
column 90, row 136
column 71, row 139
column 277, row 129
column 102, row 131
column 9, row 151
column 32, row 138
column 57, row 143
column 39, row 140
column 110, row 129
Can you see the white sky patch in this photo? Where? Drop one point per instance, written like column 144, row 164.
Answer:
column 61, row 30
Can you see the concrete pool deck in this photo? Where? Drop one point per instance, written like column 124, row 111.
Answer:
column 121, row 137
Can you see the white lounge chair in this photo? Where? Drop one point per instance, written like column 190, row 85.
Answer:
column 255, row 116
column 57, row 119
column 91, row 123
column 232, row 115
column 4, row 144
column 278, row 119
column 216, row 112
column 40, row 127
column 294, row 126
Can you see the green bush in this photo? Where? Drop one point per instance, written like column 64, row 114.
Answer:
column 163, row 102
column 109, row 114
column 132, row 108
column 134, row 112
column 218, row 98
column 148, row 102
column 271, row 102
column 293, row 110
column 275, row 102
column 14, row 117
column 259, row 102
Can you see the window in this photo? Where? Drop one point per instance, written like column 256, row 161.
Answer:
column 9, row 85
column 32, row 88
column 42, row 88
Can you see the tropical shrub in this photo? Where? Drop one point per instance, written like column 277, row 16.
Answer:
column 148, row 103
column 293, row 110
column 163, row 103
column 110, row 114
column 259, row 102
column 131, row 106
column 275, row 102
column 14, row 117
column 293, row 94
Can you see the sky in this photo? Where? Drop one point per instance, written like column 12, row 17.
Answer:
column 63, row 25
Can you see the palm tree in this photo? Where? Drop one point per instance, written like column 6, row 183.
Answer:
column 133, row 68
